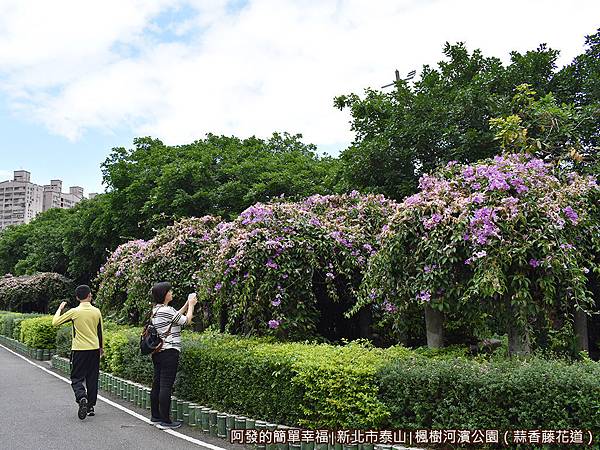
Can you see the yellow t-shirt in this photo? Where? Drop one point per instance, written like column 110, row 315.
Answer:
column 87, row 326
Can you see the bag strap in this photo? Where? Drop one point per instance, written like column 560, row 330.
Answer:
column 170, row 325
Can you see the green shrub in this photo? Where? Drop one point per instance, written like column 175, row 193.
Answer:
column 64, row 337
column 511, row 394
column 38, row 332
column 297, row 384
column 122, row 354
column 16, row 327
column 8, row 324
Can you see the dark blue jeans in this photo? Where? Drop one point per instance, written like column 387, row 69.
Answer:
column 165, row 369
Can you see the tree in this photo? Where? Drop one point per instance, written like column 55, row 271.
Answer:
column 412, row 130
column 154, row 184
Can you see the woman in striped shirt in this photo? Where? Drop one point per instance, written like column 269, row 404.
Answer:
column 168, row 322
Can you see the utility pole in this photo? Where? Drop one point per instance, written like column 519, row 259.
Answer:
column 409, row 76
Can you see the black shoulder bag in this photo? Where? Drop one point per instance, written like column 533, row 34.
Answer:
column 150, row 340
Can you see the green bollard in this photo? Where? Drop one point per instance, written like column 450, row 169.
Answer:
column 147, row 398
column 192, row 415
column 222, row 425
column 230, row 423
column 250, row 424
column 271, row 427
column 212, row 422
column 307, row 446
column 140, row 393
column 321, row 446
column 186, row 413
column 180, row 410
column 174, row 402
column 239, row 423
column 260, row 427
column 204, row 412
column 367, row 447
column 285, row 446
column 350, row 447
column 122, row 388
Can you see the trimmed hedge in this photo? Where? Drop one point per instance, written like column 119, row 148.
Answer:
column 511, row 394
column 38, row 332
column 314, row 386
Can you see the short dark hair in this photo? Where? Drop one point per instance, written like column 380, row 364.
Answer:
column 82, row 292
column 160, row 290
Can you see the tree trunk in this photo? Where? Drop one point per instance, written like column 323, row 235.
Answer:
column 518, row 338
column 434, row 322
column 581, row 330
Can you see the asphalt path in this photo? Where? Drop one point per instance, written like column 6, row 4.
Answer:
column 38, row 411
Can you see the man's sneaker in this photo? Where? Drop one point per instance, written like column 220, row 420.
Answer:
column 82, row 412
column 169, row 426
column 90, row 411
column 155, row 420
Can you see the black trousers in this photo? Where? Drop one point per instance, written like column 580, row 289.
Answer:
column 165, row 369
column 85, row 368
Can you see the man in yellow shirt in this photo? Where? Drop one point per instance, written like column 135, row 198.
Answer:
column 85, row 350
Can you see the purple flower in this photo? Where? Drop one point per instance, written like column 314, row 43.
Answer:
column 373, row 294
column 571, row 215
column 271, row 264
column 534, row 262
column 424, row 296
column 566, row 246
column 585, row 270
column 330, row 275
column 274, row 323
column 284, row 276
column 276, row 302
column 432, row 221
column 246, row 275
column 389, row 307
column 218, row 286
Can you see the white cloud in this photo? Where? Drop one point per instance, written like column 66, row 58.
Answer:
column 273, row 65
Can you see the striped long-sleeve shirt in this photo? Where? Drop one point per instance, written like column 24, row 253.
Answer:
column 163, row 317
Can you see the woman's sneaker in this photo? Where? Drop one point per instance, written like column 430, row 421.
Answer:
column 82, row 412
column 169, row 426
column 90, row 411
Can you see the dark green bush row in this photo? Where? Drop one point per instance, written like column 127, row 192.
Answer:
column 512, row 394
column 10, row 323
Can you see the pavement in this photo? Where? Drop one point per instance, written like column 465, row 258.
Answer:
column 38, row 411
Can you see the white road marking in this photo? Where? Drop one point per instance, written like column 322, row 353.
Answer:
column 122, row 408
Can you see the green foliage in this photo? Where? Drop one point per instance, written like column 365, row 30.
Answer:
column 297, row 384
column 415, row 129
column 7, row 321
column 153, row 184
column 38, row 332
column 64, row 338
column 462, row 394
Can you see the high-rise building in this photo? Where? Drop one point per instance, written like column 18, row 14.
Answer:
column 54, row 197
column 21, row 200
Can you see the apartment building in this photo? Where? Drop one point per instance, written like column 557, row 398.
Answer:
column 21, row 200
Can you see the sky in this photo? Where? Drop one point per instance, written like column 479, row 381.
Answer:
column 79, row 77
